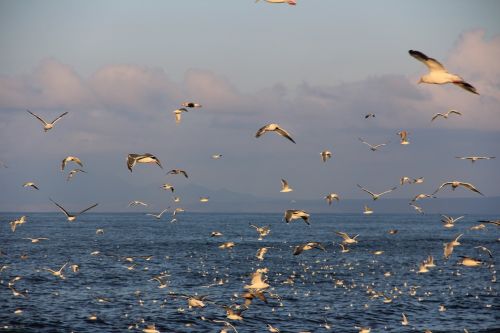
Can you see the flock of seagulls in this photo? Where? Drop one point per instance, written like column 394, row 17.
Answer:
column 259, row 289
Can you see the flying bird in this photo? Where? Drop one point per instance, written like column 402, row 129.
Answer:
column 273, row 128
column 216, row 156
column 290, row 2
column 137, row 203
column 326, row 155
column 422, row 196
column 346, row 238
column 292, row 214
column 285, row 188
column 449, row 222
column 31, row 184
column 330, row 197
column 178, row 172
column 448, row 247
column 73, row 172
column 445, row 115
column 70, row 159
column 372, row 147
column 405, row 180
column 132, row 159
column 475, row 158
column 372, row 115
column 47, row 126
column 438, row 73
column 178, row 114
column 454, row 184
column 15, row 223
column 191, row 105
column 307, row 246
column 263, row 231
column 36, row 240
column 375, row 196
column 404, row 137
column 158, row 216
column 417, row 208
column 72, row 217
column 167, row 186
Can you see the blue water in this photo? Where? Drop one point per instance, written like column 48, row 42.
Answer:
column 330, row 288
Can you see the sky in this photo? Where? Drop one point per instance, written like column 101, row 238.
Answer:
column 121, row 67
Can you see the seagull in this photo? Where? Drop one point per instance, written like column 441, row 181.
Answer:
column 227, row 245
column 178, row 114
column 405, row 180
column 422, row 268
column 325, row 155
column 344, row 248
column 132, row 159
column 137, row 203
column 167, row 186
column 307, row 246
column 261, row 252
column 47, row 126
column 429, row 262
column 404, row 137
column 216, row 234
column 70, row 159
column 177, row 172
column 347, row 238
column 454, row 184
column 419, row 180
column 285, row 188
column 216, row 156
column 449, row 222
column 36, row 240
column 58, row 273
column 73, row 172
column 292, row 214
column 448, row 247
column 422, row 196
column 258, row 282
column 372, row 115
column 15, row 223
column 204, row 199
column 417, row 208
column 273, row 128
column 476, row 158
column 263, row 231
column 375, row 196
column 330, row 197
column 159, row 215
column 367, row 210
column 290, row 2
column 191, row 105
column 72, row 217
column 438, row 73
column 470, row 262
column 372, row 147
column 445, row 115
column 31, row 184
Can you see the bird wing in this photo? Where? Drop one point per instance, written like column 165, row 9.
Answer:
column 466, row 86
column 284, row 183
column 57, row 119
column 366, row 143
column 392, row 189
column 485, row 249
column 364, row 189
column 455, row 112
column 437, row 115
column 131, row 160
column 86, row 209
column 431, row 63
column 261, row 131
column 298, row 250
column 343, row 235
column 37, row 117
column 60, row 207
column 470, row 187
column 284, row 133
column 184, row 173
column 163, row 211
column 440, row 187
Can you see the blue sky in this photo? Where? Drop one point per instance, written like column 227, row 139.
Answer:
column 121, row 67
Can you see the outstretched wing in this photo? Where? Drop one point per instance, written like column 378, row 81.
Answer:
column 364, row 189
column 437, row 115
column 466, row 86
column 60, row 207
column 392, row 189
column 284, row 133
column 57, row 119
column 431, row 63
column 261, row 131
column 471, row 187
column 86, row 209
column 440, row 187
column 37, row 117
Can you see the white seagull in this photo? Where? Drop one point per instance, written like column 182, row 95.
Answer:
column 70, row 159
column 475, row 158
column 375, row 196
column 372, row 147
column 31, row 184
column 132, row 159
column 292, row 214
column 325, row 155
column 191, row 105
column 73, row 172
column 178, row 114
column 438, row 73
column 72, row 217
column 47, row 126
column 285, row 188
column 330, row 197
column 273, row 128
column 454, row 184
column 290, row 2
column 159, row 215
column 445, row 115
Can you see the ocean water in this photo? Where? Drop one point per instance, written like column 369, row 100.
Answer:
column 331, row 291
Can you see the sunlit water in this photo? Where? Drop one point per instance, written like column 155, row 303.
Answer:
column 331, row 290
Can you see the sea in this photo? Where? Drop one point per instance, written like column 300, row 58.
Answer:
column 370, row 286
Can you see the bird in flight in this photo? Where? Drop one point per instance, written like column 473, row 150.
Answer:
column 290, row 2
column 47, row 126
column 72, row 217
column 475, row 158
column 191, row 105
column 273, row 128
column 178, row 114
column 375, row 196
column 292, row 214
column 285, row 187
column 70, row 159
column 438, row 73
column 31, row 184
column 73, row 172
column 132, row 159
column 346, row 238
column 445, row 115
column 454, row 184
column 177, row 172
column 404, row 137
column 158, row 216
column 308, row 246
column 137, row 203
column 330, row 197
column 372, row 147
column 326, row 155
